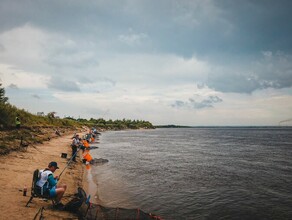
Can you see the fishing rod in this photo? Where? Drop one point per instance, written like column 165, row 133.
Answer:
column 70, row 161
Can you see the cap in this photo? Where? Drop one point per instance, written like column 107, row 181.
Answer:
column 53, row 164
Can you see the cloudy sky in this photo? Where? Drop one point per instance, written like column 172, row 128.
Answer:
column 187, row 62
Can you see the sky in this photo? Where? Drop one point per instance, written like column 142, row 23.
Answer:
column 184, row 62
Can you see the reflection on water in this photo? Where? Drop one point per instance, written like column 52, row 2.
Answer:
column 206, row 173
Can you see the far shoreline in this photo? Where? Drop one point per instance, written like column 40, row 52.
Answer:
column 226, row 126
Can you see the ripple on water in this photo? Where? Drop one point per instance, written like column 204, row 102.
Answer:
column 206, row 173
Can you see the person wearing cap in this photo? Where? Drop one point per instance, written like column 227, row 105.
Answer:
column 47, row 183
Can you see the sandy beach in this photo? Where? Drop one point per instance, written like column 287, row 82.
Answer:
column 16, row 173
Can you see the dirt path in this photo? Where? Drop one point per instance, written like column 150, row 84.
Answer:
column 16, row 171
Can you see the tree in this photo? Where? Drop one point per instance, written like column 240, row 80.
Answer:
column 3, row 99
column 51, row 114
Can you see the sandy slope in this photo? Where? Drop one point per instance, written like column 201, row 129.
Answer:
column 16, row 171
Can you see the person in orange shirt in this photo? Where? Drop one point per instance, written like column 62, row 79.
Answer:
column 86, row 156
column 85, row 145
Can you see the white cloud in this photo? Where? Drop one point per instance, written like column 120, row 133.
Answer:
column 269, row 71
column 132, row 38
column 22, row 79
column 135, row 59
column 195, row 13
column 23, row 46
column 154, row 69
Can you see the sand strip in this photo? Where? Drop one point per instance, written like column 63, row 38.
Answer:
column 16, row 172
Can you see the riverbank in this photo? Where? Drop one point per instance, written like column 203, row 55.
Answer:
column 16, row 172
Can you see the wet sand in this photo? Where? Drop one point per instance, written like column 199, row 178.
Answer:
column 90, row 178
column 90, row 186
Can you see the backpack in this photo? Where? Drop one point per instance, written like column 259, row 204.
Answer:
column 35, row 178
column 74, row 204
column 35, row 189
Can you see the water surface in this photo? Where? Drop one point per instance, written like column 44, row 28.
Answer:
column 198, row 173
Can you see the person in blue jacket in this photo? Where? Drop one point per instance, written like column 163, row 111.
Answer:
column 48, row 184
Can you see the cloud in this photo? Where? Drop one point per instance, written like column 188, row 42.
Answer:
column 232, row 80
column 272, row 70
column 23, row 47
column 197, row 104
column 62, row 84
column 29, row 48
column 21, row 79
column 206, row 103
column 132, row 38
column 150, row 59
column 193, row 14
column 97, row 85
column 179, row 104
column 61, row 56
column 2, row 48
column 13, row 86
column 36, row 96
column 153, row 69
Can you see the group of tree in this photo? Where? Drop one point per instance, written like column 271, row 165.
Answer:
column 3, row 98
column 8, row 113
column 4, row 109
column 115, row 124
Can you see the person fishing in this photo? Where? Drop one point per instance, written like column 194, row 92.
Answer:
column 75, row 145
column 85, row 145
column 17, row 122
column 47, row 184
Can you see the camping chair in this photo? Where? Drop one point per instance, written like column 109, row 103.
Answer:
column 34, row 192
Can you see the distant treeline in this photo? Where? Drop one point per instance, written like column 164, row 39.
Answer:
column 114, row 124
column 171, row 126
column 9, row 112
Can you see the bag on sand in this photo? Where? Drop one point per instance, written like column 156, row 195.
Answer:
column 76, row 202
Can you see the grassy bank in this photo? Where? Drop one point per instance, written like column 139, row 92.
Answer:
column 36, row 129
